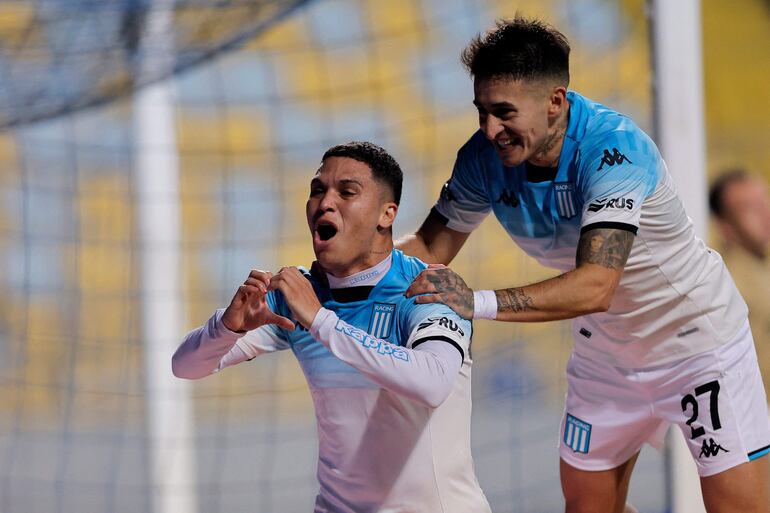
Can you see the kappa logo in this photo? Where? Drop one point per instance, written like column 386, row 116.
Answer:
column 381, row 347
column 616, row 203
column 710, row 448
column 508, row 198
column 612, row 158
column 444, row 322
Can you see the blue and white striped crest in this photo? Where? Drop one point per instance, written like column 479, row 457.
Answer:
column 577, row 434
column 565, row 199
column 382, row 320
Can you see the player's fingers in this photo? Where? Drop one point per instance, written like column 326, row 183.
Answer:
column 280, row 320
column 277, row 281
column 263, row 276
column 428, row 298
column 420, row 285
column 259, row 284
column 251, row 293
column 436, row 266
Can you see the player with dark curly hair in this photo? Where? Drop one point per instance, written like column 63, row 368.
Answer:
column 660, row 333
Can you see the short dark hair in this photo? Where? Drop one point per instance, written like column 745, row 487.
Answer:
column 384, row 168
column 519, row 49
column 720, row 185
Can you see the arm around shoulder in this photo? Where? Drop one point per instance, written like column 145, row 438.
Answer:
column 434, row 242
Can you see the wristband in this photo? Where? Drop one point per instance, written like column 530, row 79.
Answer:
column 484, row 304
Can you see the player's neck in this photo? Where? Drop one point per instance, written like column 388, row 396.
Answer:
column 549, row 153
column 367, row 277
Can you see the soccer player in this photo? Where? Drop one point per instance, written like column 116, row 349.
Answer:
column 390, row 378
column 660, row 332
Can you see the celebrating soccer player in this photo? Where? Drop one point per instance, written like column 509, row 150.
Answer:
column 660, row 332
column 390, row 378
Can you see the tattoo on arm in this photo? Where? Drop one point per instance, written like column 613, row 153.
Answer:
column 513, row 300
column 607, row 247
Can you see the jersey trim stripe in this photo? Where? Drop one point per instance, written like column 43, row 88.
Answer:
column 443, row 339
column 609, row 224
column 759, row 453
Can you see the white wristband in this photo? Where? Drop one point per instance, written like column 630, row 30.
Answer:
column 484, row 304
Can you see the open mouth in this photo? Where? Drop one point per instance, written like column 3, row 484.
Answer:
column 507, row 143
column 326, row 231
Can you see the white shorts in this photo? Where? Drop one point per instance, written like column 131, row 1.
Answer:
column 716, row 398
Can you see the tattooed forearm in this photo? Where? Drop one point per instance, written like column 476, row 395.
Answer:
column 607, row 247
column 513, row 300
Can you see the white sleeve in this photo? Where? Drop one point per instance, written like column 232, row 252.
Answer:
column 212, row 347
column 425, row 375
column 464, row 199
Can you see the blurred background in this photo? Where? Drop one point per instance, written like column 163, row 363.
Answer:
column 251, row 94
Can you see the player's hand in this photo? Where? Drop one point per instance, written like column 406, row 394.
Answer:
column 440, row 284
column 248, row 309
column 299, row 294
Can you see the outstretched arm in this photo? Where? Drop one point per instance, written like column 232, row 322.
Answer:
column 212, row 347
column 601, row 256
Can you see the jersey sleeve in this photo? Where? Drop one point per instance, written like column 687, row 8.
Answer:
column 212, row 347
column 618, row 174
column 464, row 201
column 438, row 323
column 425, row 374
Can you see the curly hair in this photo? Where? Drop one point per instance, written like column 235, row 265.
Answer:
column 519, row 49
column 384, row 168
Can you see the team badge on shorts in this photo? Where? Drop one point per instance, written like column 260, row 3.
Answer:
column 382, row 320
column 565, row 199
column 577, row 434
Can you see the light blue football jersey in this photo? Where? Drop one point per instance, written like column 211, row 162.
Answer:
column 675, row 297
column 378, row 451
column 384, row 313
column 607, row 168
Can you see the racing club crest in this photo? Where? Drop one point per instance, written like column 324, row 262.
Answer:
column 564, row 193
column 381, row 322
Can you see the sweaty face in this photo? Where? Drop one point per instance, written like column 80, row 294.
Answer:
column 746, row 205
column 348, row 214
column 514, row 115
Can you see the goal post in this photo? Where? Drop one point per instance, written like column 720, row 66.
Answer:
column 677, row 68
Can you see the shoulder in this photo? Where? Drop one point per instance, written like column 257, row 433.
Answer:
column 605, row 126
column 408, row 267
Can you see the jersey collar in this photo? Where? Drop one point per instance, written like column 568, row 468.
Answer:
column 357, row 287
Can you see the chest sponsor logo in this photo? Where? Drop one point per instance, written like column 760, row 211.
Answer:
column 610, row 159
column 381, row 322
column 508, row 198
column 613, row 203
column 564, row 192
column 577, row 434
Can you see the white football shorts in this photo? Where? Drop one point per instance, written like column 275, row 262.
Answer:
column 716, row 398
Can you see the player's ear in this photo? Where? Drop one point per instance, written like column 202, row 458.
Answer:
column 388, row 214
column 557, row 101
